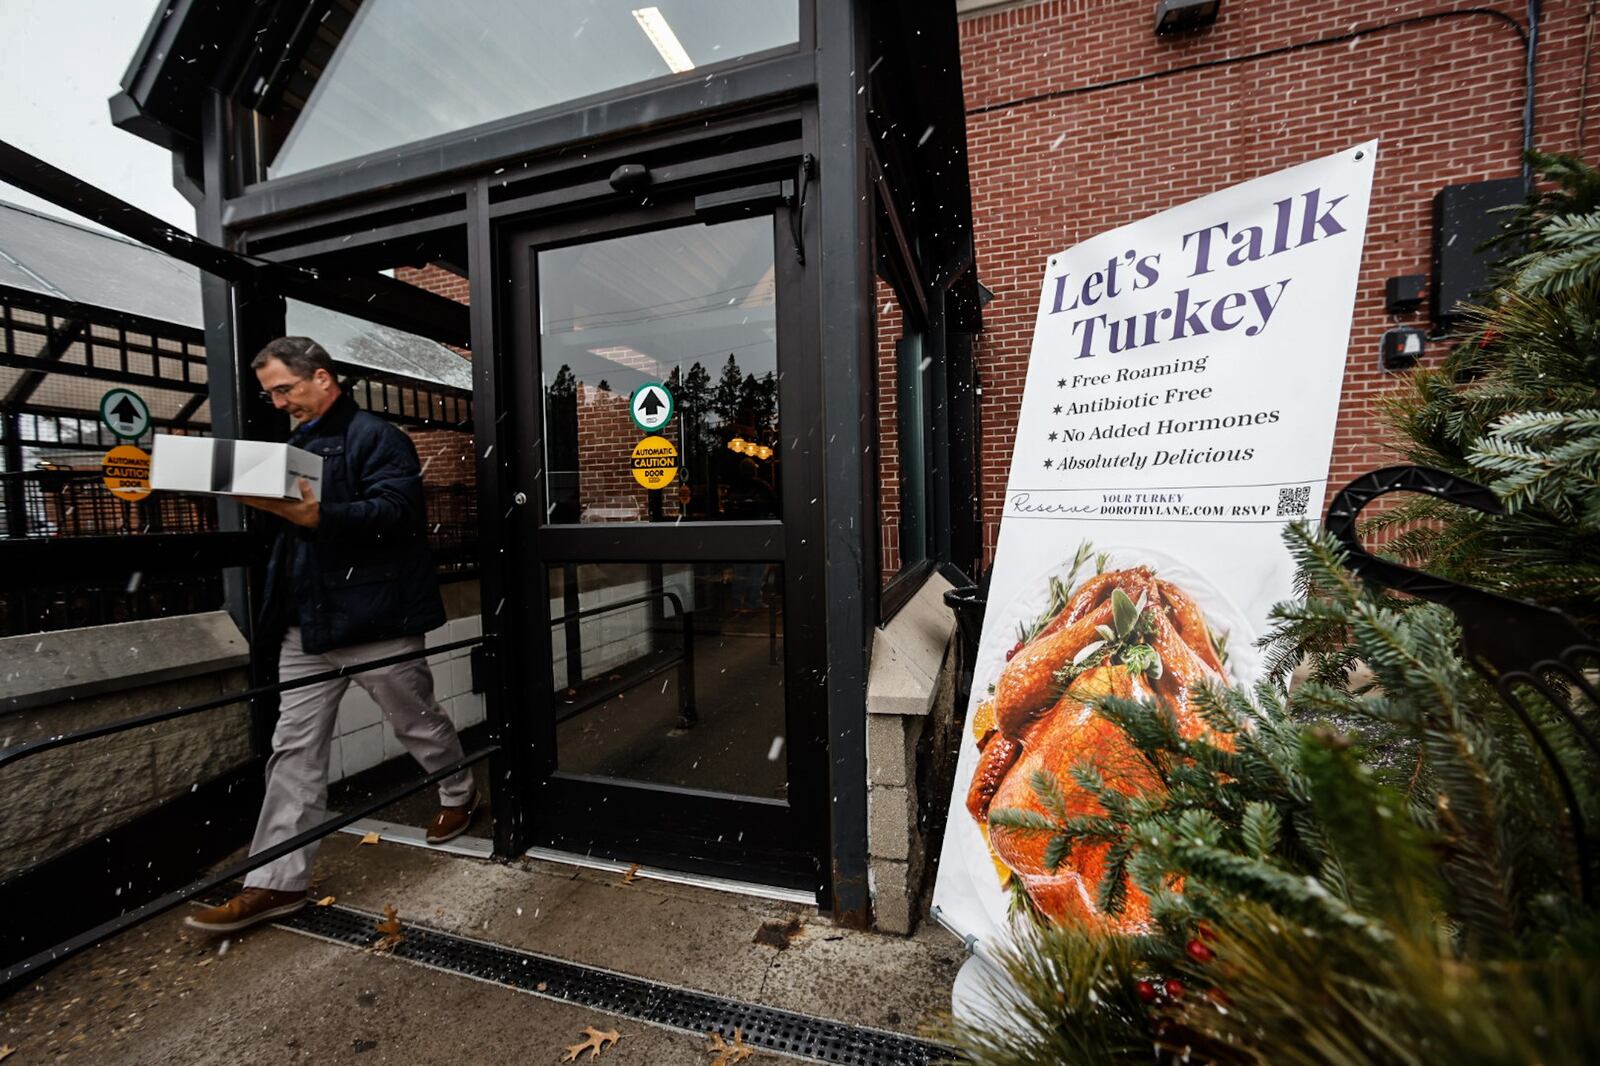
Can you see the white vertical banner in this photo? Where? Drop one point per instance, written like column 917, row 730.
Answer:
column 1179, row 410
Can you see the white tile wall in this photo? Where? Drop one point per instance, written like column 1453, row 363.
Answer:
column 459, row 672
column 362, row 739
column 468, row 710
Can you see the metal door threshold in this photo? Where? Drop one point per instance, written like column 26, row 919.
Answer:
column 686, row 1010
column 677, row 877
column 480, row 848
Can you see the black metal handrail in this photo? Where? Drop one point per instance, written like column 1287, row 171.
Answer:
column 659, row 594
column 687, row 714
column 172, row 899
column 43, row 744
column 162, row 904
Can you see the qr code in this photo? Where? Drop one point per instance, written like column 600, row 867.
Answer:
column 1294, row 501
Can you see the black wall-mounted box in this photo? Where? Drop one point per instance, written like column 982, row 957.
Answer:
column 1403, row 294
column 1462, row 222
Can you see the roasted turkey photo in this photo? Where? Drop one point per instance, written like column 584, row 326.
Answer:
column 1122, row 632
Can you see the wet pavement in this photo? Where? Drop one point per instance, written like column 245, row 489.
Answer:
column 163, row 994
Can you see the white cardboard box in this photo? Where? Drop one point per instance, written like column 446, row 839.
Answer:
column 232, row 467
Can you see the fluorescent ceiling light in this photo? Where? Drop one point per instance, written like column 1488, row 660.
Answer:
column 655, row 27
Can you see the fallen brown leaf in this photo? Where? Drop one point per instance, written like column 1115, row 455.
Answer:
column 326, row 901
column 6, row 1051
column 595, row 1042
column 629, row 877
column 390, row 930
column 728, row 1054
column 370, row 838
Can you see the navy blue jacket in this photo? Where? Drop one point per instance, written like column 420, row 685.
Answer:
column 364, row 573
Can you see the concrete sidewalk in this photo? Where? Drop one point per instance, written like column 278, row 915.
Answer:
column 162, row 994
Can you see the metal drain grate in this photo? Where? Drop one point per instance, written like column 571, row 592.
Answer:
column 694, row 1012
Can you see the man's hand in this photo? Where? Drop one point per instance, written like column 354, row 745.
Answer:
column 305, row 511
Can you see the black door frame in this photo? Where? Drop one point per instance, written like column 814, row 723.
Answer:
column 782, row 843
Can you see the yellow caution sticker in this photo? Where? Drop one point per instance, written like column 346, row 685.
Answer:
column 655, row 462
column 126, row 472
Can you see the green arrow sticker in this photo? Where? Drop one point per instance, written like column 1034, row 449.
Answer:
column 651, row 406
column 125, row 413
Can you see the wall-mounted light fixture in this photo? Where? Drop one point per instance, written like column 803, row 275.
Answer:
column 1402, row 348
column 1184, row 16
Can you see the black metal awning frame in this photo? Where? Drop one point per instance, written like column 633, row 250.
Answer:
column 374, row 297
column 402, row 399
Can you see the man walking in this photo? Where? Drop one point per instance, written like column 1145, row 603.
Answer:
column 349, row 580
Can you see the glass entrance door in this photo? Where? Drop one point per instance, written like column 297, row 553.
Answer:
column 676, row 719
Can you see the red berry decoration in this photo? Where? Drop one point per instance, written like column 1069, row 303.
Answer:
column 1206, row 932
column 1014, row 649
column 1199, row 952
column 1146, row 990
column 1174, row 988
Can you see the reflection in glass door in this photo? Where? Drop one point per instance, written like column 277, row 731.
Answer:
column 693, row 308
column 668, row 734
column 675, row 676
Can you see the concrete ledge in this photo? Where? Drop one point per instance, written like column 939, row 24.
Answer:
column 38, row 669
column 908, row 653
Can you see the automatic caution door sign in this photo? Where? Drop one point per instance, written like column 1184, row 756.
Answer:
column 655, row 462
column 126, row 471
column 651, row 406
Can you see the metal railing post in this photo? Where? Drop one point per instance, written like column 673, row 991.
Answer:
column 687, row 714
column 16, row 489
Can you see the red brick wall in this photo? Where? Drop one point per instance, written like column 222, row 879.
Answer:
column 446, row 456
column 607, row 491
column 435, row 279
column 888, row 321
column 606, row 436
column 1444, row 97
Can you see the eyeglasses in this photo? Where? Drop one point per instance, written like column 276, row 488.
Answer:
column 279, row 390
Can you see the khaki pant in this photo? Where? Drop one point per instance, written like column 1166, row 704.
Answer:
column 297, row 772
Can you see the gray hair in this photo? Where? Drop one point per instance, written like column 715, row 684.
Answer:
column 302, row 355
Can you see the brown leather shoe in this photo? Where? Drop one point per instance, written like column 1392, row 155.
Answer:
column 246, row 909
column 451, row 822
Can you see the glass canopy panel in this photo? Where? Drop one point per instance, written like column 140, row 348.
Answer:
column 406, row 70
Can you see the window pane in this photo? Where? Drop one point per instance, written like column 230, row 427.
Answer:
column 693, row 308
column 671, row 673
column 904, row 437
column 384, row 73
